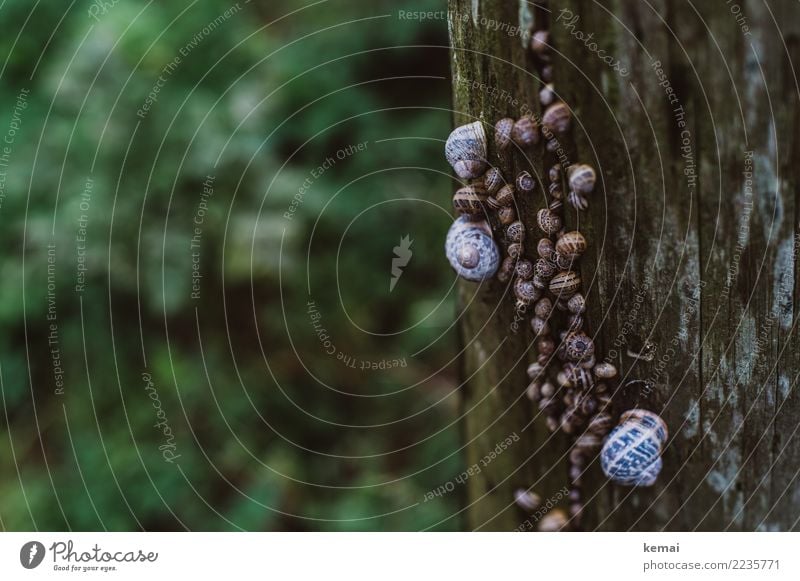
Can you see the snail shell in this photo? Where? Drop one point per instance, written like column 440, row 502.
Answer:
column 557, row 117
column 565, row 284
column 471, row 250
column 582, row 178
column 553, row 521
column 524, row 269
column 506, row 215
column 543, row 308
column 556, row 191
column 515, row 250
column 493, row 180
column 578, row 201
column 562, row 261
column 605, row 371
column 544, row 268
column 540, row 326
column 571, row 244
column 525, row 182
column 555, row 173
column 547, row 73
column 525, row 132
column 465, row 150
column 545, row 346
column 470, row 200
column 576, row 304
column 525, row 291
column 502, row 133
column 631, row 455
column 535, row 370
column 506, row 270
column 578, row 346
column 505, row 197
column 540, row 44
column 549, row 222
column 545, row 248
column 527, row 499
column 547, row 95
column 515, row 232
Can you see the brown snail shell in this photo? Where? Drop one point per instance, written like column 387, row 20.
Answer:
column 493, row 180
column 572, row 244
column 506, row 269
column 544, row 268
column 582, row 178
column 565, row 284
column 548, row 221
column 540, row 326
column 562, row 261
column 506, row 215
column 556, row 191
column 547, row 73
column 553, row 521
column 525, row 291
column 524, row 269
column 515, row 250
column 525, row 132
column 525, row 182
column 576, row 304
column 545, row 248
column 505, row 197
column 516, row 232
column 540, row 44
column 502, row 133
column 533, row 392
column 555, row 173
column 471, row 200
column 544, row 345
column 535, row 370
column 543, row 308
column 578, row 201
column 578, row 346
column 605, row 371
column 557, row 117
column 547, row 95
column 465, row 150
column 555, row 205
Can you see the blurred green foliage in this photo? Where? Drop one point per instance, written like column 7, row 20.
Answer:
column 270, row 431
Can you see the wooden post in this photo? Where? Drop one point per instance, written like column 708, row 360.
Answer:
column 690, row 114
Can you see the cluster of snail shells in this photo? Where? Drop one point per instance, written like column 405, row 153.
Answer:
column 631, row 454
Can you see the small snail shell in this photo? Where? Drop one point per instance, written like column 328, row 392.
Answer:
column 465, row 150
column 631, row 455
column 549, row 222
column 540, row 44
column 525, row 182
column 506, row 270
column 557, row 117
column 589, row 442
column 524, row 269
column 514, row 250
column 572, row 244
column 578, row 201
column 553, row 521
column 515, row 232
column 555, row 173
column 552, row 145
column 556, row 191
column 544, row 345
column 545, row 248
column 576, row 304
column 525, row 292
column 506, row 215
column 582, row 178
column 555, row 206
column 470, row 200
column 505, row 197
column 544, row 268
column 502, row 133
column 565, row 284
column 540, row 326
column 525, row 132
column 527, row 499
column 547, row 95
column 543, row 308
column 539, row 282
column 600, row 425
column 562, row 261
column 605, row 371
column 533, row 391
column 578, row 346
column 471, row 250
column 493, row 180
column 548, row 389
column 547, row 73
column 535, row 370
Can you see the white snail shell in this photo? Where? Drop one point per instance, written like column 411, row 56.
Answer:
column 471, row 249
column 631, row 454
column 465, row 150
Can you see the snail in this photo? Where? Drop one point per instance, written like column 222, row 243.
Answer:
column 540, row 44
column 465, row 150
column 544, row 268
column 502, row 133
column 556, row 191
column 493, row 180
column 555, row 173
column 506, row 270
column 565, row 284
column 545, row 248
column 540, row 326
column 544, row 345
column 553, row 521
column 577, row 201
column 548, row 221
column 470, row 200
column 525, row 182
column 572, row 244
column 524, row 269
column 631, row 455
column 547, row 95
column 525, row 291
column 578, row 346
column 582, row 178
column 525, row 131
column 605, row 371
column 514, row 250
column 471, row 249
column 505, row 197
column 506, row 215
column 576, row 304
column 527, row 499
column 515, row 232
column 557, row 118
column 535, row 370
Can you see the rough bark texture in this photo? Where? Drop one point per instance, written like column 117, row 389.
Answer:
column 689, row 268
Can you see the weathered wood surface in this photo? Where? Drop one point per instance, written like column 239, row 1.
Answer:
column 691, row 266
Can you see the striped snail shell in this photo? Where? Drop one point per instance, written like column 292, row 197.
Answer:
column 552, row 145
column 505, row 197
column 470, row 200
column 547, row 95
column 515, row 250
column 543, row 308
column 582, row 178
column 524, row 269
column 572, row 244
column 525, row 182
column 578, row 201
column 544, row 268
column 540, row 44
column 562, row 261
column 548, row 221
column 535, row 370
column 506, row 270
column 471, row 250
column 555, row 205
column 605, row 371
column 557, row 117
column 631, row 455
column 565, row 284
column 545, row 248
column 540, row 326
column 506, row 215
column 516, row 232
column 600, row 424
column 465, row 150
column 544, row 345
column 556, row 191
column 576, row 304
column 525, row 292
column 525, row 132
column 493, row 180
column 578, row 346
column 502, row 133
